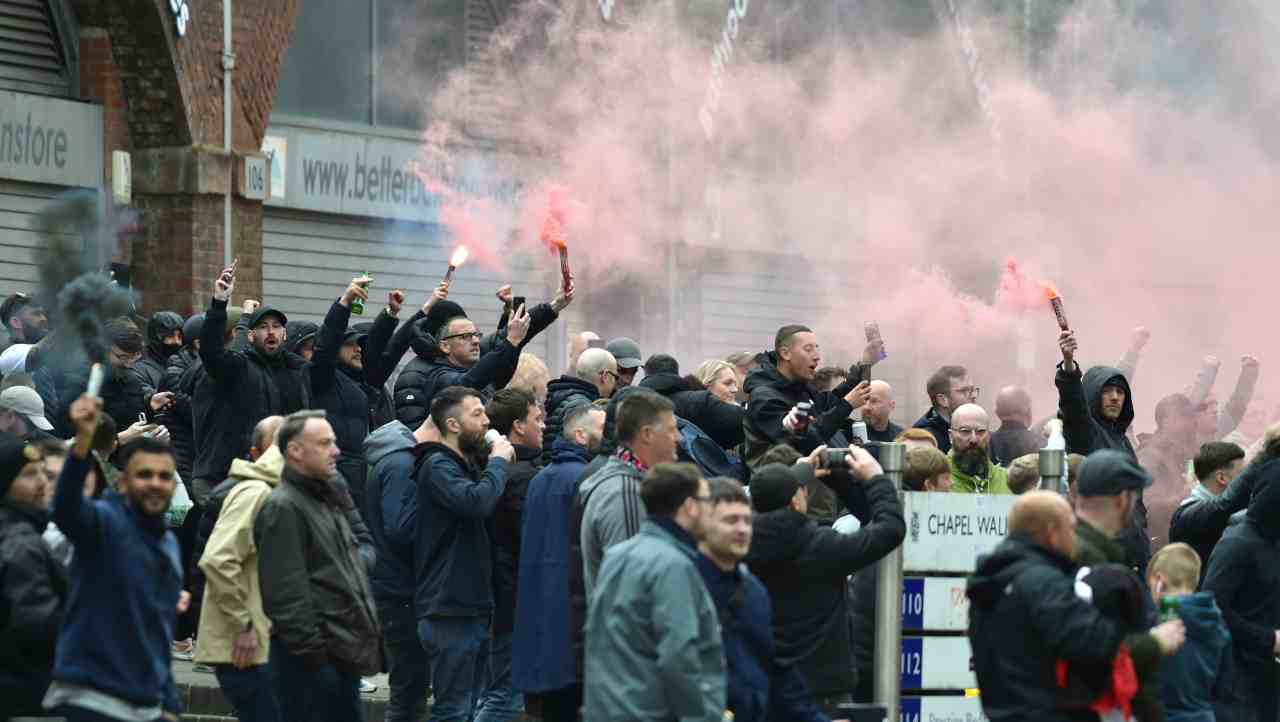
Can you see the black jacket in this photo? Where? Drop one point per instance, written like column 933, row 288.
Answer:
column 1201, row 519
column 1245, row 579
column 1025, row 617
column 180, row 379
column 453, row 561
column 1013, row 440
column 155, row 355
column 423, row 378
column 1086, row 431
column 772, row 396
column 721, row 421
column 123, row 397
column 32, row 601
column 315, row 584
column 563, row 394
column 936, row 424
column 805, row 566
column 504, row 531
column 239, row 389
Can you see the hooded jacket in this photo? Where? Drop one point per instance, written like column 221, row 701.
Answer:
column 542, row 648
column 805, row 567
column 1025, row 617
column 233, row 590
column 392, row 505
column 33, row 597
column 239, row 389
column 1086, row 431
column 453, row 560
column 155, row 355
column 315, row 588
column 563, row 394
column 653, row 640
column 995, row 482
column 772, row 396
column 721, row 421
column 1201, row 671
column 1244, row 578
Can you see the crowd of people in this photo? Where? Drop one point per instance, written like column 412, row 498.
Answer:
column 298, row 507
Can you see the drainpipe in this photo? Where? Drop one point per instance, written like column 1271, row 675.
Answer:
column 228, row 64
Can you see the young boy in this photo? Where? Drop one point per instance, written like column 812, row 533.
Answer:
column 1200, row 672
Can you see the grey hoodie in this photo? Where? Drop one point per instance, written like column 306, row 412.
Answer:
column 391, row 504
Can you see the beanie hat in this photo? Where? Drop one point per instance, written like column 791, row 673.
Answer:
column 14, row 454
column 439, row 314
column 192, row 328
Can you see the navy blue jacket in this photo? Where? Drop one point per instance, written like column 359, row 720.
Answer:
column 1201, row 671
column 125, row 580
column 542, row 646
column 453, row 560
column 935, row 424
column 392, row 507
column 759, row 689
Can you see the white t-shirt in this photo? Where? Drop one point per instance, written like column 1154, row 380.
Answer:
column 14, row 359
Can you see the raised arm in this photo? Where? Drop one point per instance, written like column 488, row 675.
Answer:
column 377, row 368
column 77, row 517
column 324, row 361
column 1238, row 404
column 220, row 363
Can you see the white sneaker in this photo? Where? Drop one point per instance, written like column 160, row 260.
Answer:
column 184, row 650
column 367, row 687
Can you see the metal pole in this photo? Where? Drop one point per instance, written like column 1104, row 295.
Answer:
column 228, row 64
column 1053, row 470
column 888, row 656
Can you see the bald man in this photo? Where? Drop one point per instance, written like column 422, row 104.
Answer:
column 1014, row 439
column 578, row 343
column 971, row 467
column 1025, row 617
column 876, row 412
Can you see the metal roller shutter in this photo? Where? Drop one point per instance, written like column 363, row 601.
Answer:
column 309, row 258
column 19, row 204
column 742, row 306
column 32, row 59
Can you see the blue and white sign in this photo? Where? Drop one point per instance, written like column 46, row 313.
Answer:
column 941, row 709
column 935, row 604
column 937, row 663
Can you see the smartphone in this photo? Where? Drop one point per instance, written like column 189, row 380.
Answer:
column 595, row 343
column 516, row 303
column 864, row 374
column 832, row 458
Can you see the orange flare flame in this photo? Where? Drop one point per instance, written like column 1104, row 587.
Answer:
column 459, row 256
column 1050, row 292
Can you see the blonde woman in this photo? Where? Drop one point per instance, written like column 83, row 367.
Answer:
column 720, row 379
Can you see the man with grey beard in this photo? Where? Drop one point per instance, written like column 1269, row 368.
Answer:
column 972, row 470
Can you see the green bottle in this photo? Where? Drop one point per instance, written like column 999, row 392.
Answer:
column 1169, row 607
column 357, row 303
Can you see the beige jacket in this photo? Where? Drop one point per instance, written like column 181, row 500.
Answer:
column 232, row 592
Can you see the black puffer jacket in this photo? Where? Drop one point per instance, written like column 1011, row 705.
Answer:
column 315, row 582
column 772, row 396
column 1245, row 579
column 155, row 355
column 1025, row 617
column 805, row 567
column 238, row 389
column 423, row 378
column 721, row 421
column 33, row 600
column 563, row 394
column 1086, row 431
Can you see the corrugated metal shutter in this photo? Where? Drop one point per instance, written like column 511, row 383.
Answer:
column 31, row 56
column 489, row 109
column 744, row 303
column 309, row 258
column 19, row 204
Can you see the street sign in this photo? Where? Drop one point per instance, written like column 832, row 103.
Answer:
column 935, row 604
column 947, row 532
column 942, row 709
column 937, row 663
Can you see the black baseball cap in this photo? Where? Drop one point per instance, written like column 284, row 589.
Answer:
column 261, row 312
column 1108, row 472
column 773, row 485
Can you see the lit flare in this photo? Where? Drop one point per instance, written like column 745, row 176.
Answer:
column 458, row 258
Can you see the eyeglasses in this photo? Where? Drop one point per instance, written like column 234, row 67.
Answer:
column 970, row 391
column 966, row 431
column 702, row 499
column 614, row 374
column 471, row 335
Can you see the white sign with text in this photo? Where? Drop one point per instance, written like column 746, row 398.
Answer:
column 947, row 532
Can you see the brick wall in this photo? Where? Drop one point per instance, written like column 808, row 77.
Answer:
column 162, row 96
